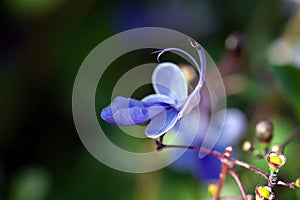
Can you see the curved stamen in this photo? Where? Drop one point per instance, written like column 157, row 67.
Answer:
column 202, row 57
column 179, row 50
column 200, row 51
column 194, row 98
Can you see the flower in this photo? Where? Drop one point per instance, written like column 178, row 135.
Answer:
column 165, row 108
column 275, row 161
column 209, row 167
column 297, row 182
column 233, row 129
column 212, row 189
column 263, row 193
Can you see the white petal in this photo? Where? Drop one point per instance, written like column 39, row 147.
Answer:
column 169, row 80
column 158, row 98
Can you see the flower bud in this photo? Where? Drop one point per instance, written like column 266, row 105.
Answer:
column 297, row 182
column 264, row 131
column 275, row 161
column 277, row 148
column 228, row 151
column 212, row 189
column 263, row 193
column 248, row 146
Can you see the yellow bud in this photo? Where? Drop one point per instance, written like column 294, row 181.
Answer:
column 297, row 182
column 212, row 189
column 276, row 160
column 263, row 192
column 247, row 146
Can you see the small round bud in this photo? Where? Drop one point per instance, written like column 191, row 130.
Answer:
column 212, row 189
column 228, row 151
column 248, row 146
column 277, row 148
column 264, row 131
column 235, row 42
column 297, row 182
column 275, row 161
column 263, row 193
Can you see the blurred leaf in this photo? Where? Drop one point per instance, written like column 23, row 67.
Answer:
column 30, row 184
column 289, row 78
column 29, row 8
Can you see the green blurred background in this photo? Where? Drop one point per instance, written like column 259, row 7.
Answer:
column 43, row 43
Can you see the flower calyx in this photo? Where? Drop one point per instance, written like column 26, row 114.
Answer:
column 263, row 193
column 275, row 161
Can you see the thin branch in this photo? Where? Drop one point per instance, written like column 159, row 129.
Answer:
column 228, row 163
column 220, row 156
column 238, row 181
column 289, row 185
column 295, row 134
column 252, row 168
column 214, row 153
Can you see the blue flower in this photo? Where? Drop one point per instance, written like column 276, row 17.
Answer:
column 209, row 167
column 167, row 106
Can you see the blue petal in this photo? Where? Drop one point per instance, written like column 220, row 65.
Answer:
column 207, row 168
column 169, row 80
column 158, row 98
column 162, row 123
column 185, row 162
column 126, row 111
column 119, row 103
column 134, row 115
column 191, row 131
column 233, row 129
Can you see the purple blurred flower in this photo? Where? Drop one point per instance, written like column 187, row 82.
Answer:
column 208, row 168
column 165, row 108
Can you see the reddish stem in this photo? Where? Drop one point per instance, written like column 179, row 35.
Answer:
column 238, row 181
column 252, row 168
column 227, row 164
column 214, row 153
column 221, row 156
column 222, row 178
column 289, row 185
